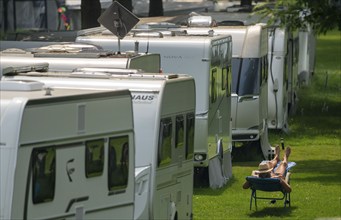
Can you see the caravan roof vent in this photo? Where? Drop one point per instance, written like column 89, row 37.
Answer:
column 105, row 70
column 156, row 25
column 68, row 47
column 200, row 21
column 38, row 67
column 15, row 51
column 154, row 33
column 70, row 50
column 21, row 85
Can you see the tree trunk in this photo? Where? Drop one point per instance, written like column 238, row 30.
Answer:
column 245, row 2
column 90, row 12
column 128, row 4
column 155, row 8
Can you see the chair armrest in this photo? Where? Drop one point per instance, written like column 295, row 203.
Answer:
column 287, row 177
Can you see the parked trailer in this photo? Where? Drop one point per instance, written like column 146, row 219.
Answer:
column 249, row 78
column 66, row 57
column 208, row 60
column 164, row 122
column 56, row 153
column 288, row 47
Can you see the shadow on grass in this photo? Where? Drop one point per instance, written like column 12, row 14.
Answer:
column 207, row 191
column 327, row 171
column 272, row 212
column 248, row 151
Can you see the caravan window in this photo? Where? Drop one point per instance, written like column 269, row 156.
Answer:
column 224, row 79
column 227, row 80
column 43, row 175
column 264, row 69
column 94, row 157
column 118, row 162
column 246, row 76
column 286, row 72
column 179, row 132
column 190, row 135
column 213, row 93
column 165, row 142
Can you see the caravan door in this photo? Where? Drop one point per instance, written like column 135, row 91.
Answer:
column 246, row 76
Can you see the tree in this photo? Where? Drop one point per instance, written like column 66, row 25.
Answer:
column 321, row 15
column 155, row 8
column 90, row 12
column 128, row 4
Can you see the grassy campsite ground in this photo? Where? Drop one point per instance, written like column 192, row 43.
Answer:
column 315, row 134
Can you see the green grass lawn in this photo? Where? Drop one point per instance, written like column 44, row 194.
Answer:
column 314, row 137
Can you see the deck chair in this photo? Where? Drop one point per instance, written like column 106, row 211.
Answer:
column 269, row 185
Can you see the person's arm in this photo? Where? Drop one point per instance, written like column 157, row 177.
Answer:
column 254, row 173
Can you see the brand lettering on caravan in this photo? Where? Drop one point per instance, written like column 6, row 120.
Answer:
column 146, row 98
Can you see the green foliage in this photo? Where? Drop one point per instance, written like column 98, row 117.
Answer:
column 321, row 15
column 314, row 138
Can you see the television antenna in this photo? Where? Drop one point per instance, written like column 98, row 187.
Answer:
column 118, row 20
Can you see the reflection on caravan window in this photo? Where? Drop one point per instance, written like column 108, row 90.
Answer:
column 246, row 76
column 118, row 162
column 264, row 69
column 44, row 174
column 179, row 132
column 190, row 135
column 213, row 92
column 226, row 80
column 286, row 72
column 94, row 157
column 165, row 142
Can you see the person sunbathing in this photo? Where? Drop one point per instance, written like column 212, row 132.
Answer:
column 266, row 169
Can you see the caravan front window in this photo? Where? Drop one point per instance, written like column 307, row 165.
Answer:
column 179, row 132
column 44, row 174
column 118, row 162
column 213, row 93
column 227, row 80
column 94, row 157
column 165, row 142
column 246, row 76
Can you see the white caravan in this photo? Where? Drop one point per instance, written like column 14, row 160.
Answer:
column 56, row 153
column 164, row 120
column 208, row 60
column 249, row 78
column 66, row 57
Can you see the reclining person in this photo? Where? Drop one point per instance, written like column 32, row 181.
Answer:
column 266, row 169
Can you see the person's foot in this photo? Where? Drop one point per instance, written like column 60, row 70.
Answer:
column 287, row 152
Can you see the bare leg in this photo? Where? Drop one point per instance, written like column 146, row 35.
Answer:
column 283, row 165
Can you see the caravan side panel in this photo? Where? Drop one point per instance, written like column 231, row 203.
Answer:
column 64, row 168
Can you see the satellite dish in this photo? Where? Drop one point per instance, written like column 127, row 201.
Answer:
column 118, row 20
